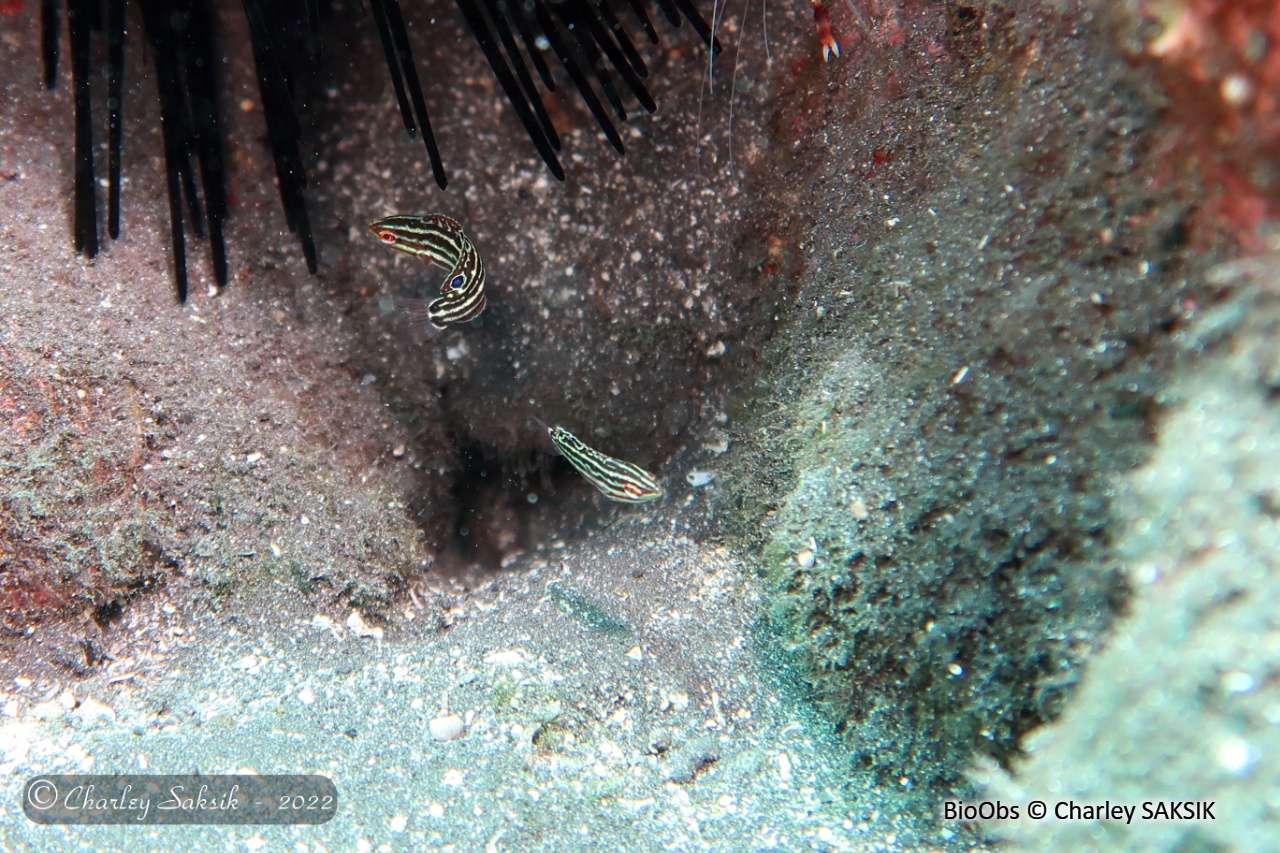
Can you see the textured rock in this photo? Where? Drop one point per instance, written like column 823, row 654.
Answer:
column 989, row 261
column 1184, row 704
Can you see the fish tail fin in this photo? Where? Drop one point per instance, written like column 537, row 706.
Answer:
column 418, row 314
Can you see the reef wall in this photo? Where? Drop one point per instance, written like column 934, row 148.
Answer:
column 1184, row 704
column 992, row 254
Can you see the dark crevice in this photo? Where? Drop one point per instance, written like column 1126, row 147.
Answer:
column 506, row 507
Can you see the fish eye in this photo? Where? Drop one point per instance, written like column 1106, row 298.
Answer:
column 457, row 282
column 386, row 237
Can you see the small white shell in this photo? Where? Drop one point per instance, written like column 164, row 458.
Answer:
column 698, row 479
column 446, row 728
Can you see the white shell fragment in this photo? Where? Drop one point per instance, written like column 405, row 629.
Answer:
column 506, row 657
column 321, row 621
column 698, row 479
column 446, row 728
column 91, row 709
column 805, row 559
column 360, row 628
column 458, row 350
column 717, row 442
column 248, row 663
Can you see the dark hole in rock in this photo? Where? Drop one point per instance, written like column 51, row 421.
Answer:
column 506, row 507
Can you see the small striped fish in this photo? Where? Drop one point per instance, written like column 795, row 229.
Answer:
column 439, row 240
column 617, row 480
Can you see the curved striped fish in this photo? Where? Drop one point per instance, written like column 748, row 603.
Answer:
column 439, row 240
column 616, row 480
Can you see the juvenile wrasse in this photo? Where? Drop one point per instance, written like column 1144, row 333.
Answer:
column 439, row 240
column 616, row 480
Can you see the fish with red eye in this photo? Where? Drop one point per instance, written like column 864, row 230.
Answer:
column 439, row 240
column 617, row 480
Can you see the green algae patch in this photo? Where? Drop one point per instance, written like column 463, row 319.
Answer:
column 588, row 612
